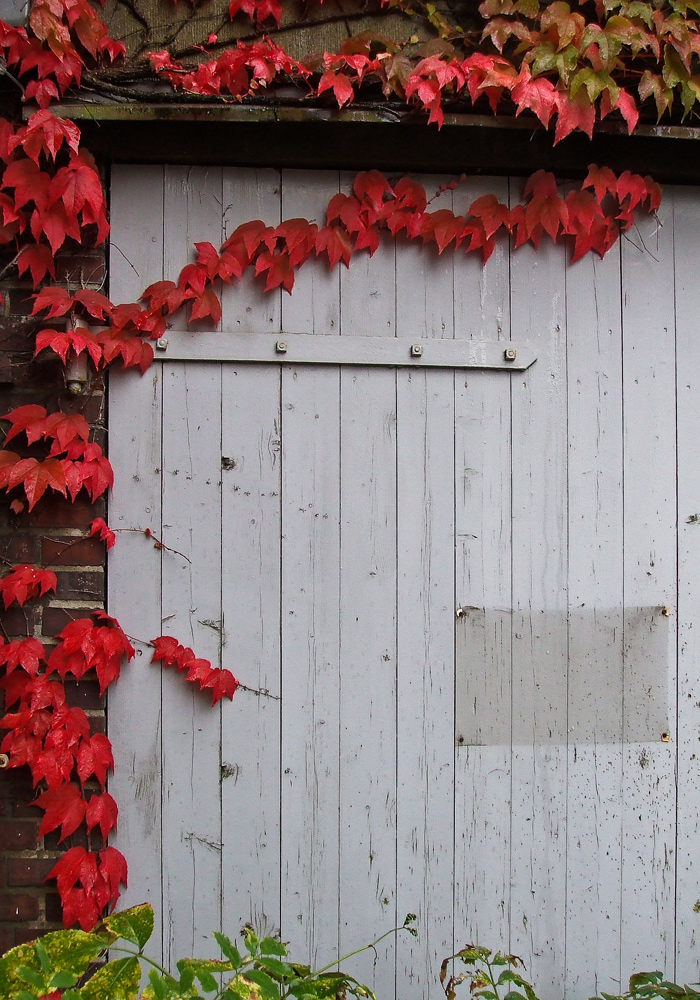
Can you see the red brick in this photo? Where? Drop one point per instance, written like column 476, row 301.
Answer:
column 15, row 784
column 16, row 341
column 53, row 907
column 98, row 724
column 22, row 807
column 56, row 619
column 23, row 935
column 28, row 871
column 16, row 835
column 15, row 906
column 6, row 939
column 84, row 694
column 72, row 552
column 77, row 839
column 87, row 587
column 20, row 621
column 56, row 512
column 82, row 268
column 20, row 548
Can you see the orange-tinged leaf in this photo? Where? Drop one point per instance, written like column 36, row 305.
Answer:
column 37, row 477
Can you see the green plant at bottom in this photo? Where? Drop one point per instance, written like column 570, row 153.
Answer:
column 494, row 976
column 65, row 965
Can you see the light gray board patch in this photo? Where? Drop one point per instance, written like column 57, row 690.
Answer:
column 598, row 712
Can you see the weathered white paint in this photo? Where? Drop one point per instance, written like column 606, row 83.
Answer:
column 501, row 773
column 595, row 600
column 648, row 856
column 134, row 577
column 686, row 216
column 483, row 590
column 251, row 518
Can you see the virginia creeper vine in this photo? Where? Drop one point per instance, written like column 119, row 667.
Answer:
column 559, row 65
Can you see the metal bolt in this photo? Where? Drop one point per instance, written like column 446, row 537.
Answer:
column 4, row 760
column 281, row 346
column 416, row 350
column 162, row 344
column 510, row 354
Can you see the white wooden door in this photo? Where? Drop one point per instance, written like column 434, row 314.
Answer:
column 449, row 589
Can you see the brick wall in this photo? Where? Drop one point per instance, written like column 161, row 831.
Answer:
column 56, row 534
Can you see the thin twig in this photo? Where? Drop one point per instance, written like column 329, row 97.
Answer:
column 157, row 543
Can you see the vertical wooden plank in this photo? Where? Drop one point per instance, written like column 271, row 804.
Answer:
column 686, row 206
column 368, row 628
column 310, row 599
column 425, row 681
column 250, row 194
column 595, row 689
column 483, row 591
column 251, row 529
column 133, row 581
column 648, row 835
column 191, row 498
column 538, row 844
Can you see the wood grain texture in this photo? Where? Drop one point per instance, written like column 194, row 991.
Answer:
column 251, row 527
column 425, row 610
column 503, row 774
column 249, row 194
column 686, row 215
column 483, row 590
column 595, row 669
column 539, row 692
column 191, row 603
column 649, row 796
column 134, row 577
column 368, row 628
column 310, row 604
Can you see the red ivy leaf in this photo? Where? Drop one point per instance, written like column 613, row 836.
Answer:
column 98, row 527
column 63, row 806
column 101, row 811
column 29, row 418
column 95, row 757
column 23, row 583
column 37, row 477
column 24, row 653
column 38, row 260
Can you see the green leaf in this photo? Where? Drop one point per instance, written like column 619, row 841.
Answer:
column 272, row 946
column 186, row 977
column 40, row 952
column 231, row 994
column 207, row 981
column 32, row 977
column 268, row 987
column 134, row 925
column 277, row 969
column 61, row 980
column 508, row 976
column 251, row 940
column 118, row 980
column 25, row 995
column 160, row 990
column 644, row 978
column 229, row 949
column 242, row 988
